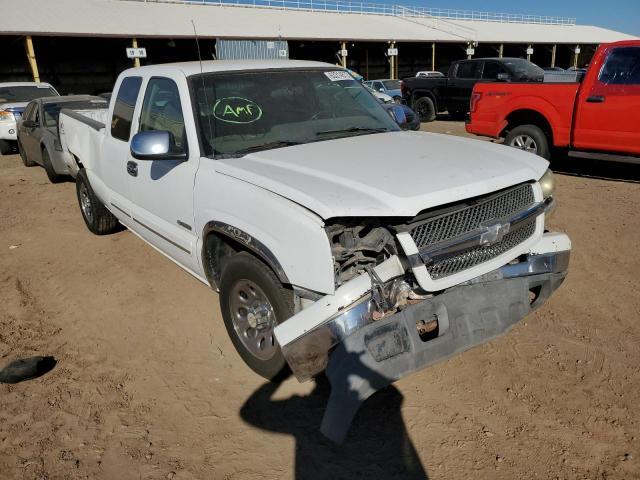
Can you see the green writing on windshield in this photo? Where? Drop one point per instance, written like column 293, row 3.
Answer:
column 237, row 110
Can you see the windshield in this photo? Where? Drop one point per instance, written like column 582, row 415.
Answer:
column 52, row 110
column 522, row 68
column 239, row 113
column 392, row 84
column 25, row 93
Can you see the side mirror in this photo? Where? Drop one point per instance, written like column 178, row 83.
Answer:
column 503, row 77
column 155, row 145
column 29, row 124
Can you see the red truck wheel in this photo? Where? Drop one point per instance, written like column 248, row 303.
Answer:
column 529, row 138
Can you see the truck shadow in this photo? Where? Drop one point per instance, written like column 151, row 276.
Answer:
column 599, row 169
column 377, row 445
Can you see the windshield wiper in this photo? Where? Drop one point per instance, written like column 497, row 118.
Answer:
column 258, row 148
column 354, row 130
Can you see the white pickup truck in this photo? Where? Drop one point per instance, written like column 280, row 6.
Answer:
column 337, row 241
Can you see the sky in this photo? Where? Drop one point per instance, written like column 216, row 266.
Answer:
column 620, row 15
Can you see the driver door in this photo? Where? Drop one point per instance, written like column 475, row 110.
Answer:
column 162, row 190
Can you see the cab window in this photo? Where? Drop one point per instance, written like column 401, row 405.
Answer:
column 124, row 107
column 468, row 70
column 622, row 67
column 491, row 70
column 161, row 110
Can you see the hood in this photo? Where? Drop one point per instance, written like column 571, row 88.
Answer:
column 14, row 106
column 395, row 174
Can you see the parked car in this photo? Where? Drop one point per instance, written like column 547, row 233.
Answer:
column 597, row 118
column 429, row 96
column 13, row 100
column 382, row 97
column 430, row 73
column 39, row 136
column 326, row 229
column 406, row 118
column 387, row 86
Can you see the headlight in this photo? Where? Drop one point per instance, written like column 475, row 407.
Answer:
column 6, row 116
column 548, row 184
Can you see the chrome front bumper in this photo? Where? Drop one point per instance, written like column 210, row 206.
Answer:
column 308, row 354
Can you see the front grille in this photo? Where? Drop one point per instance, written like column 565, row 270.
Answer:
column 477, row 255
column 470, row 217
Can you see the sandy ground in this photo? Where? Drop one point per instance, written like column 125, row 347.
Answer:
column 148, row 385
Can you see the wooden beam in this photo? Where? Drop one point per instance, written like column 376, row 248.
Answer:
column 501, row 51
column 343, row 58
column 553, row 55
column 134, row 44
column 31, row 57
column 433, row 56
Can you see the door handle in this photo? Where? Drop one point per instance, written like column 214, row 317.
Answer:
column 595, row 99
column 132, row 168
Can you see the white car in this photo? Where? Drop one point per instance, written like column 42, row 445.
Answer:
column 14, row 98
column 336, row 240
column 430, row 73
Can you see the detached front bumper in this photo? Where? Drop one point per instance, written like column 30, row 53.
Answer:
column 361, row 355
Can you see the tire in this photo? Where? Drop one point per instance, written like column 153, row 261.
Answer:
column 48, row 167
column 425, row 108
column 5, row 147
column 529, row 138
column 397, row 99
column 248, row 285
column 23, row 155
column 98, row 219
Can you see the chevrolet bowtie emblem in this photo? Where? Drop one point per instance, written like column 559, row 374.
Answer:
column 494, row 234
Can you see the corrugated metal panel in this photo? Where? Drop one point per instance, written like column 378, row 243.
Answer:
column 251, row 49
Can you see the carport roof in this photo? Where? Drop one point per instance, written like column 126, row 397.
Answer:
column 118, row 18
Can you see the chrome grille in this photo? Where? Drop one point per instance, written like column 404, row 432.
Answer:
column 475, row 256
column 468, row 218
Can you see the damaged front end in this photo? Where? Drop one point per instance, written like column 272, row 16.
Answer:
column 388, row 316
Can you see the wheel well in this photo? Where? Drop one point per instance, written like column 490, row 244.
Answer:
column 421, row 94
column 528, row 117
column 218, row 248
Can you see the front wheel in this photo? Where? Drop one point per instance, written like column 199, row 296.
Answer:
column 53, row 176
column 23, row 155
column 529, row 138
column 98, row 219
column 5, row 147
column 253, row 302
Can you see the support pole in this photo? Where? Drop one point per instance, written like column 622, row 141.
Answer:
column 343, row 57
column 433, row 56
column 553, row 55
column 134, row 44
column 31, row 56
column 395, row 64
column 469, row 45
column 501, row 51
column 528, row 54
column 575, row 56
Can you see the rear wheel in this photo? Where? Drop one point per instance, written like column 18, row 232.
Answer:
column 98, row 219
column 253, row 302
column 23, row 155
column 48, row 167
column 426, row 109
column 529, row 138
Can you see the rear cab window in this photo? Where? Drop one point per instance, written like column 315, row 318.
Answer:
column 124, row 106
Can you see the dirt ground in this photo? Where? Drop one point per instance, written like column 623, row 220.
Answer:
column 148, row 385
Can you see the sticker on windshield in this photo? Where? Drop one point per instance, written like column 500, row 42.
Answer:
column 237, row 110
column 338, row 76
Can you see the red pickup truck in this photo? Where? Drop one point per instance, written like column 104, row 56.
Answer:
column 598, row 117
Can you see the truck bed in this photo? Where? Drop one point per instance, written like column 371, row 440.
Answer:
column 496, row 102
column 82, row 132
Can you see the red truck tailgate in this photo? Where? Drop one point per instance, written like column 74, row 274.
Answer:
column 493, row 103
